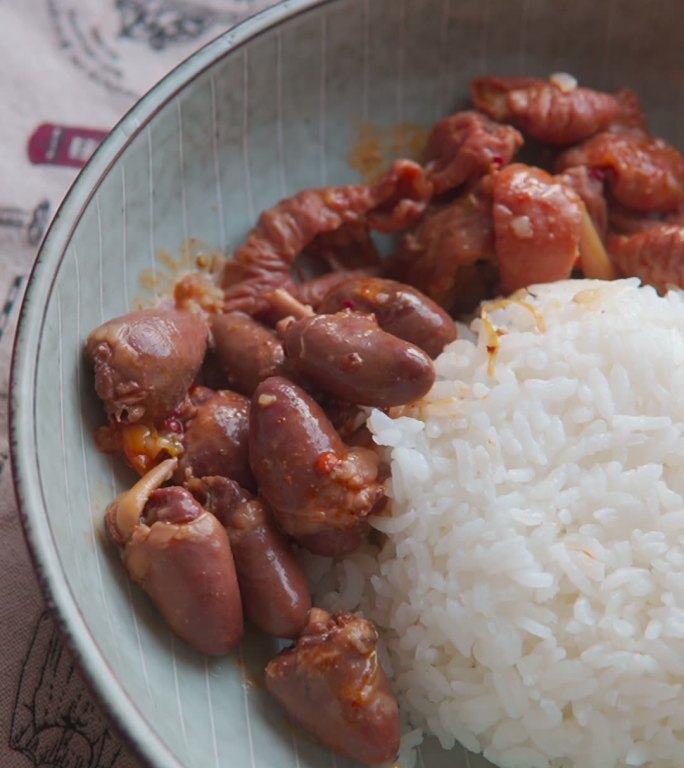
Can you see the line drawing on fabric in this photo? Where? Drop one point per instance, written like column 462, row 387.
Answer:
column 55, row 723
column 84, row 45
column 163, row 22
column 32, row 222
column 10, row 302
column 96, row 38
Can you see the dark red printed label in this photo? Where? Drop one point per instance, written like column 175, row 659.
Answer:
column 70, row 146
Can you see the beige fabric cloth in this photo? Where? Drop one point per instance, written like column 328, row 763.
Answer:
column 74, row 64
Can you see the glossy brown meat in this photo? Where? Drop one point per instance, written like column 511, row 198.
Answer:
column 247, row 351
column 589, row 186
column 467, row 145
column 312, row 292
column 274, row 589
column 335, row 542
column 349, row 421
column 332, row 684
column 398, row 308
column 216, row 438
column 314, row 484
column 674, row 217
column 626, row 221
column 631, row 116
column 180, row 555
column 146, row 361
column 655, row 256
column 350, row 357
column 642, row 173
column 263, row 262
column 436, row 256
column 349, row 247
column 537, row 223
column 543, row 110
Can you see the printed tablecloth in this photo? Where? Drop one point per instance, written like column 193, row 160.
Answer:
column 71, row 69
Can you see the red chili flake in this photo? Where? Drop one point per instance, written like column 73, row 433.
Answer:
column 325, row 463
column 172, row 424
column 497, row 160
column 348, row 304
column 597, row 173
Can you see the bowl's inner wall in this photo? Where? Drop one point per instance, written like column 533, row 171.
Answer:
column 278, row 114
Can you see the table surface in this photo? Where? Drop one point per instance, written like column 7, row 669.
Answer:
column 74, row 66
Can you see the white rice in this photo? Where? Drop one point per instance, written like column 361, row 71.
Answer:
column 530, row 590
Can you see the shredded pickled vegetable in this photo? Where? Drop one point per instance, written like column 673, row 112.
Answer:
column 493, row 333
column 594, row 260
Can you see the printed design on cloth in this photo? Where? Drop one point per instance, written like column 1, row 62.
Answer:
column 110, row 41
column 55, row 722
column 163, row 22
column 31, row 223
column 10, row 302
column 70, row 146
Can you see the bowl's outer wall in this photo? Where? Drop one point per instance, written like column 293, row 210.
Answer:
column 274, row 115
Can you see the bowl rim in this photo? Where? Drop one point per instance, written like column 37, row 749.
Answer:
column 120, row 710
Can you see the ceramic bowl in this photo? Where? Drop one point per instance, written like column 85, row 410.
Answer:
column 306, row 94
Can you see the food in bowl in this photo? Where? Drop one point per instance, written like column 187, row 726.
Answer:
column 527, row 585
column 298, row 464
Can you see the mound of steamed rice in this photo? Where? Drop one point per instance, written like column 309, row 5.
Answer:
column 530, row 589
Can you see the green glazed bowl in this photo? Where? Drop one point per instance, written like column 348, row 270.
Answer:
column 305, row 94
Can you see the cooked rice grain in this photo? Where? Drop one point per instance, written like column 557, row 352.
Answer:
column 530, row 590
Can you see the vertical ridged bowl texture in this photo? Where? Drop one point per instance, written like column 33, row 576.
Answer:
column 273, row 106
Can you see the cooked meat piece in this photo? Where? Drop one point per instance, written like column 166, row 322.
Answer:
column 490, row 94
column 631, row 116
column 247, row 352
column 589, row 186
column 275, row 593
column 349, row 421
column 656, row 256
column 548, row 111
column 674, row 217
column 349, row 247
column 642, row 173
column 467, row 145
column 537, row 225
column 216, row 437
column 332, row 684
column 398, row 308
column 436, row 256
column 311, row 480
column 180, row 555
column 349, row 356
column 263, row 262
column 312, row 292
column 146, row 361
column 626, row 221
